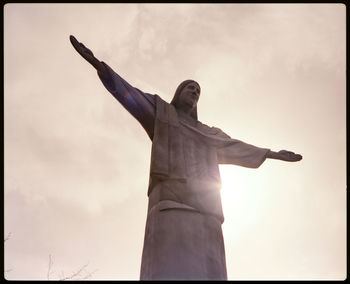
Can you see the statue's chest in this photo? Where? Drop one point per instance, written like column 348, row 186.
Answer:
column 199, row 156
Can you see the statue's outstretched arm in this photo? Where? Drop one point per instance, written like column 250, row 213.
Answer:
column 88, row 55
column 239, row 153
column 139, row 104
column 284, row 155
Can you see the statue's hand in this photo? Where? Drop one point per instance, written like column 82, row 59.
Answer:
column 289, row 156
column 86, row 53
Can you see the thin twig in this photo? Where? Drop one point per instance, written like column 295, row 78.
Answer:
column 75, row 274
column 89, row 275
column 8, row 237
column 62, row 275
column 49, row 269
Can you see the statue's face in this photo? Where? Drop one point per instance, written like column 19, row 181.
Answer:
column 189, row 96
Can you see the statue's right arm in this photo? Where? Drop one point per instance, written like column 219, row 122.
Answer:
column 140, row 105
column 87, row 55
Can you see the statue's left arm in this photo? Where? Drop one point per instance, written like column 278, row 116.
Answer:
column 239, row 153
column 243, row 154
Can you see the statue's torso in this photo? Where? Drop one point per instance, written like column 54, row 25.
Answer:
column 202, row 187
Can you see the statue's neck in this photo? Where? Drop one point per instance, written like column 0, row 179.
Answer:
column 186, row 117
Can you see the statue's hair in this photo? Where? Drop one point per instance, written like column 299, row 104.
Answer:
column 176, row 97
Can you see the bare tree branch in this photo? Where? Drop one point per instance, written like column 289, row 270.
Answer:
column 89, row 275
column 62, row 275
column 77, row 275
column 8, row 237
column 49, row 269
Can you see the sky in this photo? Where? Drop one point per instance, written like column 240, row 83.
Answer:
column 77, row 163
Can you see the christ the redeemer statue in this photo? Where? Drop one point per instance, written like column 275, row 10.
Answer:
column 183, row 237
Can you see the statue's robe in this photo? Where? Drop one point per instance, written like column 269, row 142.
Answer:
column 183, row 236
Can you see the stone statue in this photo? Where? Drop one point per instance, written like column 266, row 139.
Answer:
column 183, row 237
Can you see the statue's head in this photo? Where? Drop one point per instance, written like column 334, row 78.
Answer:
column 187, row 96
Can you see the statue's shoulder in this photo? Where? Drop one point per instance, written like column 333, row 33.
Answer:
column 211, row 130
column 160, row 100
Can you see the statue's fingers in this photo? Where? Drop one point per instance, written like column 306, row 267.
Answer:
column 297, row 157
column 73, row 40
column 81, row 48
column 286, row 152
column 76, row 44
column 85, row 49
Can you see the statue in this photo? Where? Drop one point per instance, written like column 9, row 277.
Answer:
column 183, row 236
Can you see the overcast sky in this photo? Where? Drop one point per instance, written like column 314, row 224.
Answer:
column 77, row 163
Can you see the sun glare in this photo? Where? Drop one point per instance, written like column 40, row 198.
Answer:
column 230, row 184
column 241, row 195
